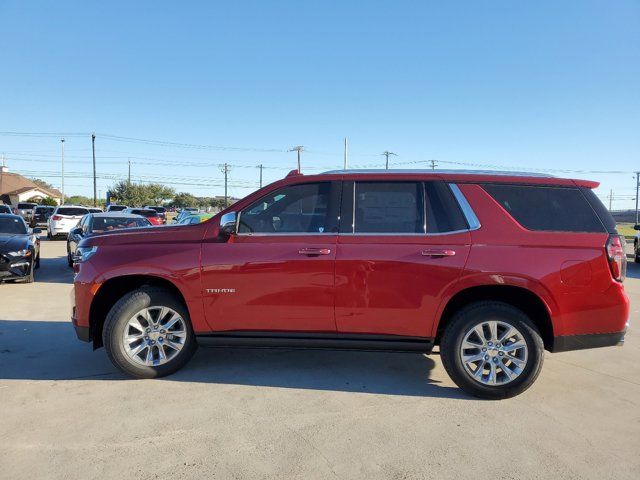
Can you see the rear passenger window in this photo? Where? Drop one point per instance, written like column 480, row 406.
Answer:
column 443, row 212
column 388, row 207
column 559, row 209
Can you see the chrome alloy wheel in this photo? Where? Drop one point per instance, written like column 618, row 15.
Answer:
column 494, row 353
column 154, row 336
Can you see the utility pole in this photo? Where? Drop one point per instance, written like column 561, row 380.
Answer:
column 610, row 199
column 260, row 167
column 93, row 149
column 298, row 149
column 225, row 170
column 346, row 153
column 62, row 182
column 386, row 154
column 433, row 164
column 637, row 191
column 1, row 176
column 129, row 160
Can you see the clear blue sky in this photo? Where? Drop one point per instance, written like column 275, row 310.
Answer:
column 544, row 84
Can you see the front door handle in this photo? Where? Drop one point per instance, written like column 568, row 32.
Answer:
column 438, row 253
column 312, row 252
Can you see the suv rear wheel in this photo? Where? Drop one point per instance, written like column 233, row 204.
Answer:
column 147, row 333
column 492, row 350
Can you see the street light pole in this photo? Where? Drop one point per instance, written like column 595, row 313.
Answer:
column 62, row 182
column 93, row 148
column 346, row 153
column 637, row 191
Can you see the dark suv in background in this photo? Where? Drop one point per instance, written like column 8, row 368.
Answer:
column 490, row 268
column 41, row 215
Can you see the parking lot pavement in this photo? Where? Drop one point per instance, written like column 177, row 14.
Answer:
column 244, row 413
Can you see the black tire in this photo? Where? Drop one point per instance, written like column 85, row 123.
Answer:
column 69, row 259
column 38, row 260
column 476, row 313
column 117, row 319
column 636, row 257
column 48, row 234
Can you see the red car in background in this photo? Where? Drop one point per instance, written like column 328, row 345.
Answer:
column 492, row 268
column 148, row 213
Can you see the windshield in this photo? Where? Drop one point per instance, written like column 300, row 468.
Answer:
column 44, row 209
column 116, row 208
column 106, row 224
column 12, row 225
column 26, row 206
column 72, row 211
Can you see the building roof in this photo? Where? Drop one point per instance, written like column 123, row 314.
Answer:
column 14, row 184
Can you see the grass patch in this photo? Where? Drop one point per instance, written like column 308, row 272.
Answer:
column 627, row 230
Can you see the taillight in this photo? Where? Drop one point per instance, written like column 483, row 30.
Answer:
column 617, row 257
column 56, row 217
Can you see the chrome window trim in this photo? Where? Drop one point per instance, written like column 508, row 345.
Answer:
column 467, row 211
column 439, row 234
column 285, row 234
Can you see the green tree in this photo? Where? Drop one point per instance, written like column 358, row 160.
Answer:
column 42, row 183
column 78, row 200
column 216, row 202
column 158, row 193
column 43, row 201
column 184, row 199
column 49, row 201
column 138, row 195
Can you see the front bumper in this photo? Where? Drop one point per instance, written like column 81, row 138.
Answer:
column 14, row 268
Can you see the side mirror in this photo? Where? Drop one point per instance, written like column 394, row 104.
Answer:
column 228, row 223
column 77, row 231
column 37, row 231
column 636, row 227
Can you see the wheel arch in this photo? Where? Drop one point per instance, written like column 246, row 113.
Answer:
column 522, row 298
column 113, row 289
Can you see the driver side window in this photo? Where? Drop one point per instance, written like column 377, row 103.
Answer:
column 293, row 209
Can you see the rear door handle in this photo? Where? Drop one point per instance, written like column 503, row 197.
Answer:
column 314, row 251
column 438, row 253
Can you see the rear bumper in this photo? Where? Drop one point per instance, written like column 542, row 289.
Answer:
column 594, row 340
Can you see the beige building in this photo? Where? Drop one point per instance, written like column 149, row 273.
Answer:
column 15, row 188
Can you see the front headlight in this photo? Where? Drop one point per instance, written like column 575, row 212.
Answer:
column 20, row 253
column 85, row 253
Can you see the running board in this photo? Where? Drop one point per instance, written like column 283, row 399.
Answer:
column 331, row 341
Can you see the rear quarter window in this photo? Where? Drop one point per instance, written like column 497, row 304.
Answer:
column 547, row 208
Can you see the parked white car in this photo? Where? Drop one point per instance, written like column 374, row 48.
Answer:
column 63, row 219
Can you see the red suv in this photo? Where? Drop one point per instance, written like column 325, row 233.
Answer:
column 493, row 268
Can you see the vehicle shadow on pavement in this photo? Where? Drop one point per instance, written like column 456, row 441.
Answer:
column 54, row 270
column 41, row 350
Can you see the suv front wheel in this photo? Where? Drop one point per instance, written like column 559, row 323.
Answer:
column 492, row 350
column 147, row 333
